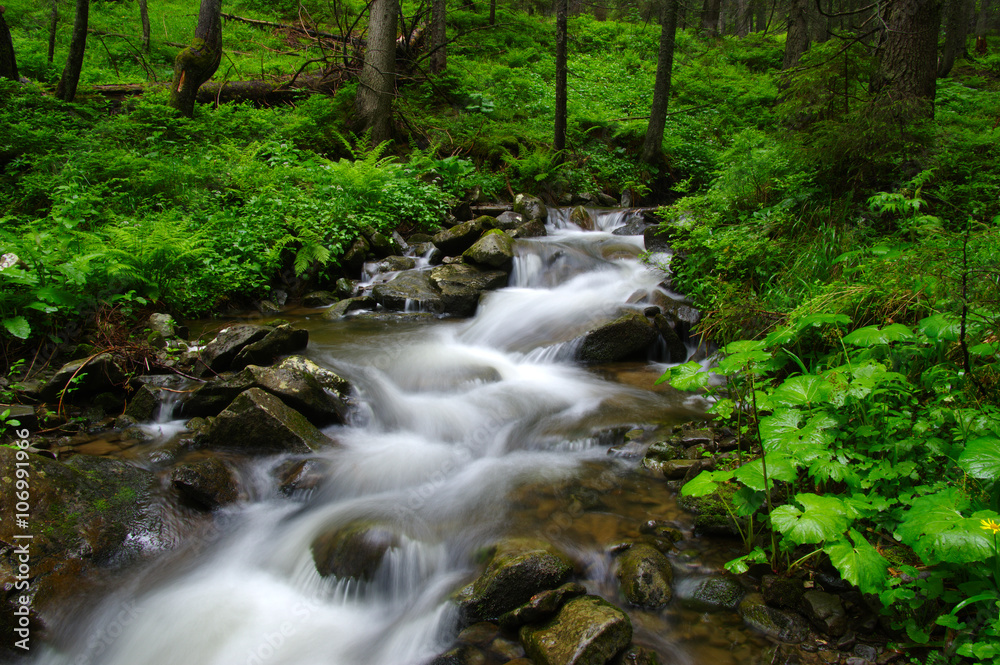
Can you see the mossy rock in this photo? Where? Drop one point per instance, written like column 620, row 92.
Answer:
column 587, row 631
column 645, row 576
column 258, row 422
column 775, row 623
column 494, row 250
column 457, row 239
column 714, row 594
column 204, row 484
column 354, row 551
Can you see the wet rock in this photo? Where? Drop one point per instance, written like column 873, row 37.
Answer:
column 23, row 414
column 354, row 257
column 645, row 576
column 381, row 244
column 258, row 422
column 343, row 288
column 396, row 263
column 319, row 299
column 541, row 606
column 409, row 290
column 676, row 351
column 586, row 631
column 462, row 236
column 278, row 342
column 628, row 336
column 582, row 218
column 167, row 326
column 711, row 516
column 82, row 379
column 328, row 379
column 461, row 655
column 686, row 468
column 714, row 594
column 204, row 484
column 782, row 591
column 532, row 229
column 654, row 240
column 519, row 569
column 775, row 623
column 507, row 650
column 462, row 285
column 825, row 612
column 144, row 403
column 481, row 633
column 494, row 250
column 354, row 551
column 509, row 220
column 219, row 354
column 295, row 476
column 867, row 652
column 343, row 307
column 267, row 307
column 298, row 389
column 634, row 227
column 531, row 207
column 658, row 454
column 636, row 655
column 661, row 530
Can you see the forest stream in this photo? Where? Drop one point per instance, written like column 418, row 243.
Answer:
column 462, row 432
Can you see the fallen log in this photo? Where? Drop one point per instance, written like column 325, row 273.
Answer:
column 256, row 91
column 354, row 41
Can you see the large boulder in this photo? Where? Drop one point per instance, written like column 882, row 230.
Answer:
column 494, row 250
column 462, row 236
column 509, row 220
column 204, row 484
column 825, row 611
column 519, row 568
column 219, row 354
column 645, row 576
column 82, row 379
column 258, row 422
column 654, row 239
column 328, row 379
column 531, row 208
column 409, row 291
column 343, row 307
column 298, row 389
column 628, row 336
column 714, row 594
column 354, row 551
column 354, row 257
column 279, row 341
column 581, row 217
column 461, row 285
column 777, row 624
column 586, row 631
column 533, row 229
column 541, row 606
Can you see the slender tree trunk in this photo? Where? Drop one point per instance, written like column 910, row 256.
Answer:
column 797, row 41
column 983, row 18
column 8, row 63
column 760, row 16
column 198, row 62
column 66, row 90
column 956, row 30
column 493, row 12
column 561, row 38
column 377, row 83
column 652, row 145
column 144, row 17
column 53, row 24
column 439, row 36
column 905, row 82
column 744, row 18
column 710, row 11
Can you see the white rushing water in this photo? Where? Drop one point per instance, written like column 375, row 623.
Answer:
column 450, row 419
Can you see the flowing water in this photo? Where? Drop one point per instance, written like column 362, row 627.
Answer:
column 463, row 432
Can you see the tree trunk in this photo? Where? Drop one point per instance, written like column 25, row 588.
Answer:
column 493, row 12
column 797, row 41
column 8, row 63
column 956, row 31
column 53, row 24
column 744, row 18
column 905, row 82
column 198, row 62
column 710, row 11
column 144, row 17
column 652, row 145
column 561, row 39
column 377, row 82
column 66, row 90
column 439, row 36
column 983, row 19
column 760, row 16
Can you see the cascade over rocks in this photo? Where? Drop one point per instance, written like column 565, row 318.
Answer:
column 409, row 289
column 531, row 208
column 260, row 423
column 204, row 484
column 462, row 286
column 587, row 631
column 354, row 551
column 344, row 307
column 518, row 569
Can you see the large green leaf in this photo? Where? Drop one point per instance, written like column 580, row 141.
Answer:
column 873, row 335
column 18, row 326
column 779, row 467
column 800, row 390
column 981, row 458
column 775, row 427
column 942, row 327
column 936, row 529
column 689, row 376
column 822, row 518
column 860, row 563
column 705, row 482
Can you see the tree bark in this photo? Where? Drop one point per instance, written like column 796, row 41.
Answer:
column 8, row 63
column 66, row 90
column 197, row 63
column 797, row 40
column 377, row 83
column 144, row 17
column 53, row 24
column 493, row 12
column 439, row 36
column 561, row 39
column 652, row 145
column 744, row 18
column 905, row 82
column 710, row 12
column 956, row 30
column 983, row 19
